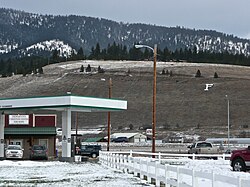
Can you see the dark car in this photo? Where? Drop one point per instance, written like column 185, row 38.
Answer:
column 120, row 139
column 90, row 150
column 39, row 152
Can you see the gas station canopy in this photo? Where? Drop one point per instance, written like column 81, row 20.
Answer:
column 60, row 103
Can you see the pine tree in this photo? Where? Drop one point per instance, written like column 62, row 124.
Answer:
column 198, row 73
column 40, row 70
column 97, row 52
column 80, row 54
column 170, row 73
column 88, row 69
column 100, row 70
column 163, row 72
column 82, row 68
column 216, row 75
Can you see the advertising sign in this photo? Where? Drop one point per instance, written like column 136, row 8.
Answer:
column 18, row 119
column 148, row 131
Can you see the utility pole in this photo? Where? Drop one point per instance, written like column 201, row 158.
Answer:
column 154, row 103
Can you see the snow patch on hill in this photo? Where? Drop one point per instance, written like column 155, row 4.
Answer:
column 65, row 50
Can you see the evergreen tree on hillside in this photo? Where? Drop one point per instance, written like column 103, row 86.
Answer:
column 216, row 75
column 80, row 54
column 198, row 73
column 88, row 68
column 97, row 52
column 40, row 70
column 82, row 68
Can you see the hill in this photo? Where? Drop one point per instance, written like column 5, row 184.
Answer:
column 182, row 104
column 23, row 33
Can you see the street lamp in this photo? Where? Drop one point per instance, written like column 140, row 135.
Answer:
column 154, row 94
column 110, row 95
column 228, row 124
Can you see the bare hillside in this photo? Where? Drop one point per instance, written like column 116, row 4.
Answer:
column 182, row 103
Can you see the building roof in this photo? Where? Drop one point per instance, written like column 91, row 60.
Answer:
column 75, row 103
column 30, row 131
column 97, row 139
column 128, row 135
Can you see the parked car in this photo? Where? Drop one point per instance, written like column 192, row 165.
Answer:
column 240, row 159
column 38, row 152
column 203, row 148
column 90, row 150
column 120, row 139
column 14, row 151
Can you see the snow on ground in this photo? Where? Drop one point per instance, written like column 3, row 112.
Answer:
column 88, row 174
column 55, row 173
column 134, row 64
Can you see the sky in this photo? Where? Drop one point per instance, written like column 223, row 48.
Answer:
column 227, row 16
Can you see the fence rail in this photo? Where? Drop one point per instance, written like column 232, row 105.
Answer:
column 149, row 168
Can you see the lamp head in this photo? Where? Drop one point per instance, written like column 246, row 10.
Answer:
column 139, row 46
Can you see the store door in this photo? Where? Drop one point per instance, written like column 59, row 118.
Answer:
column 43, row 142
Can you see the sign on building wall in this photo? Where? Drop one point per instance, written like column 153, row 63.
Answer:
column 18, row 119
column 149, row 132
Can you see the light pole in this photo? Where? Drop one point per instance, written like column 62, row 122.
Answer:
column 154, row 94
column 228, row 122
column 110, row 95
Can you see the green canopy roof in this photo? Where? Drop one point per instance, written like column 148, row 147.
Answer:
column 30, row 131
column 93, row 139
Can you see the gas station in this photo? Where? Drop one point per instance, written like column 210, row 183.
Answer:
column 64, row 104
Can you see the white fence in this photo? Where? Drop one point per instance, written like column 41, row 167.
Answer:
column 154, row 172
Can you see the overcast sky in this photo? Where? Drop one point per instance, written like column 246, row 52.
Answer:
column 227, row 16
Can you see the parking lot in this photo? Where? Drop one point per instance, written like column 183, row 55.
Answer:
column 55, row 173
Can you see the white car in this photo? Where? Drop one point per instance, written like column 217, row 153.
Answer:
column 14, row 151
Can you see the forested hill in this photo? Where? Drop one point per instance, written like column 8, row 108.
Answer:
column 22, row 32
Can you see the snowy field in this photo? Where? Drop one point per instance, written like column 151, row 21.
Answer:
column 54, row 173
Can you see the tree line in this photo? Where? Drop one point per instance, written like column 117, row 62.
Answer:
column 34, row 64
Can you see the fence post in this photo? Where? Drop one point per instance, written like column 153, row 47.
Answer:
column 148, row 171
column 125, row 163
column 213, row 179
column 122, row 159
column 134, row 166
column 239, row 181
column 141, row 169
column 118, row 165
column 224, row 156
column 131, row 153
column 109, row 162
column 193, row 156
column 178, row 177
column 193, row 178
column 159, row 157
column 113, row 160
column 157, row 181
column 166, row 176
column 129, row 164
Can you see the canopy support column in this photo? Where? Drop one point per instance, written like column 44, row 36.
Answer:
column 1, row 136
column 66, row 135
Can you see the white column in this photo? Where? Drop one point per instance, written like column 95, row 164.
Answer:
column 66, row 133
column 1, row 136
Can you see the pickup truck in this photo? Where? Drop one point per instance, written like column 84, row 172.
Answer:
column 203, row 148
column 240, row 159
